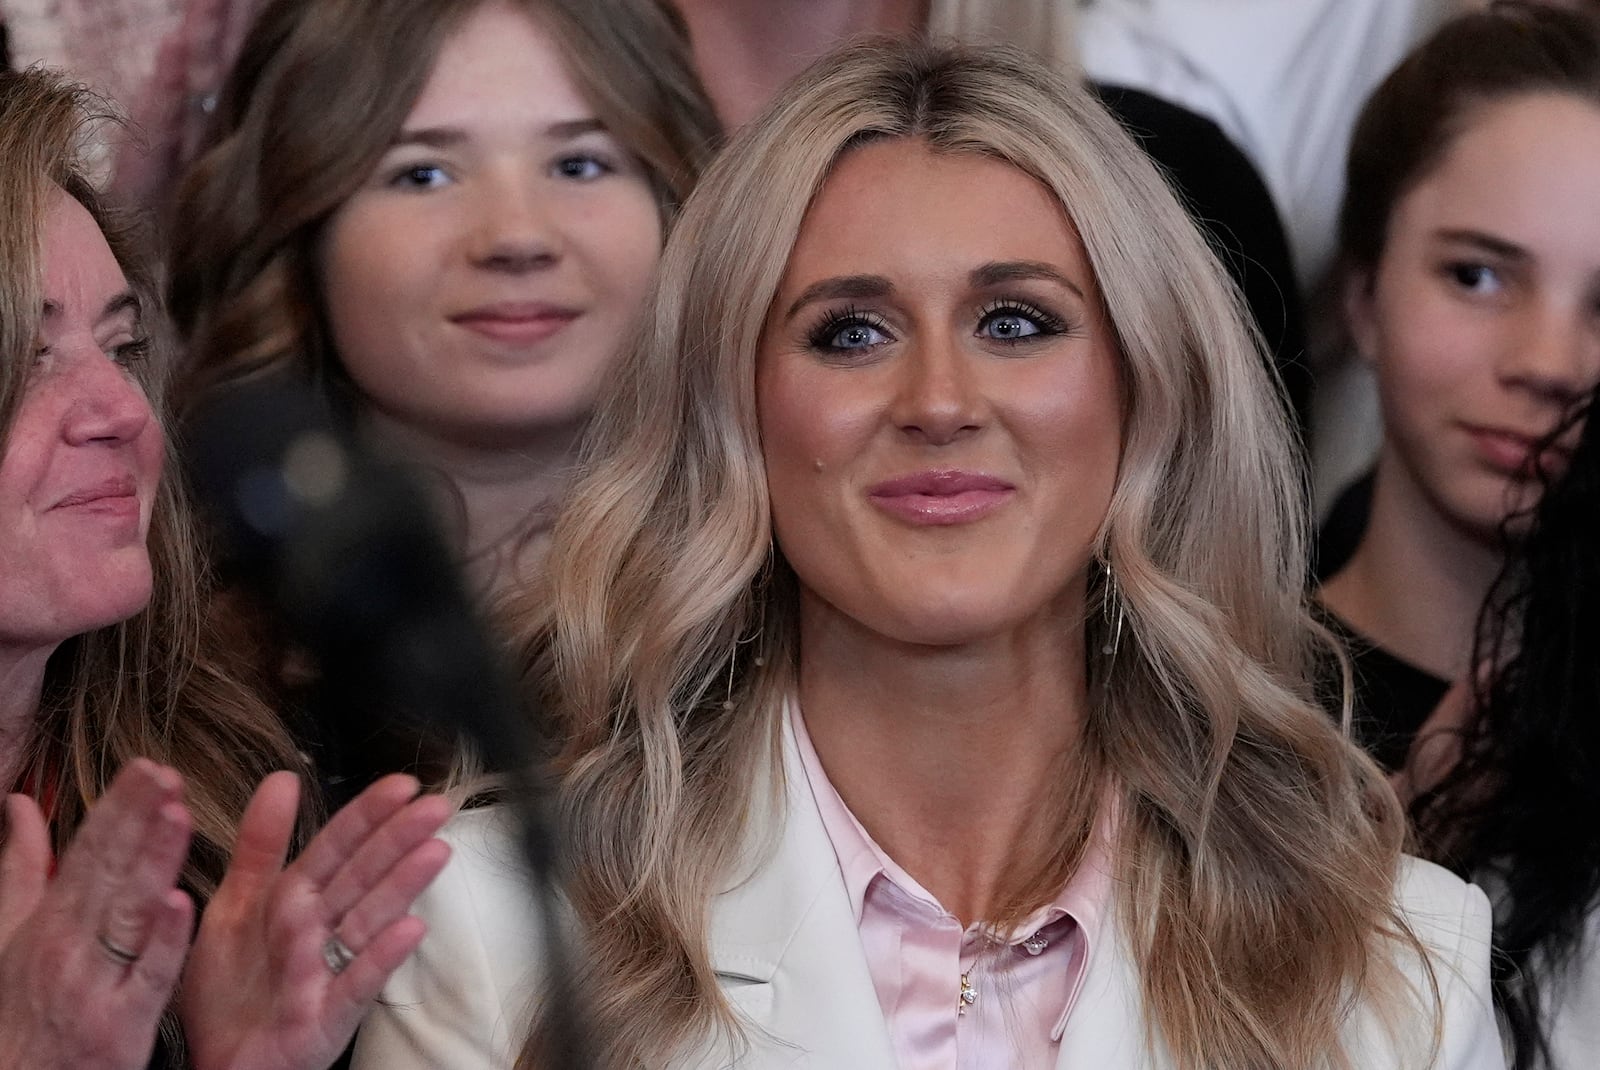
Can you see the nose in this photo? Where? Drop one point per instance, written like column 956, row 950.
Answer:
column 1557, row 356
column 107, row 407
column 514, row 231
column 938, row 398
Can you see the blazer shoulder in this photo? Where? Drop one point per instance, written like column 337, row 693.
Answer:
column 1452, row 920
column 462, row 999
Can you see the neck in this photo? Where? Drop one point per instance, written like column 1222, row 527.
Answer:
column 1416, row 582
column 499, row 501
column 947, row 755
column 21, row 686
column 747, row 49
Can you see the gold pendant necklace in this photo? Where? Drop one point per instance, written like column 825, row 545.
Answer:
column 969, row 994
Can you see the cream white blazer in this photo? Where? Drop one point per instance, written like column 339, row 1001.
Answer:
column 787, row 952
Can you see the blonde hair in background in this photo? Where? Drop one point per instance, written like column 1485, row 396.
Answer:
column 1046, row 29
column 156, row 685
column 1258, row 848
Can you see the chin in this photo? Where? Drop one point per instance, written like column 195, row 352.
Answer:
column 947, row 626
column 113, row 602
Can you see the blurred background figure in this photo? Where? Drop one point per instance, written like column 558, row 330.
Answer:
column 1503, row 776
column 442, row 215
column 1470, row 236
column 161, row 60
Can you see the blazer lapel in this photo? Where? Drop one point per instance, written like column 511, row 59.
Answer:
column 787, row 951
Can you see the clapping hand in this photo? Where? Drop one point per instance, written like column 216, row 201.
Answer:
column 287, row 960
column 88, row 960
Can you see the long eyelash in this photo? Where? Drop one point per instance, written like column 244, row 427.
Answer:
column 833, row 322
column 136, row 350
column 1049, row 323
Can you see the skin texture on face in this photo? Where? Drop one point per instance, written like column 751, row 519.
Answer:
column 84, row 455
column 1482, row 319
column 938, row 397
column 480, row 284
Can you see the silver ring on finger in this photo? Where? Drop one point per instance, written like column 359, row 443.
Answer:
column 115, row 951
column 337, row 954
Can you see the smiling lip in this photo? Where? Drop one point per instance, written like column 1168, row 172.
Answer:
column 1513, row 453
column 941, row 497
column 117, row 498
column 517, row 321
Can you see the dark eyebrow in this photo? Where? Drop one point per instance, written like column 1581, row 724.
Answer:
column 1487, row 242
column 999, row 272
column 125, row 301
column 574, row 128
column 860, row 287
column 444, row 137
column 432, row 137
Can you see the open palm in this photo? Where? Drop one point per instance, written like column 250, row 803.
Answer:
column 258, row 992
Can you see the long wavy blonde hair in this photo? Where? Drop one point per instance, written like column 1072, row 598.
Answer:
column 1258, row 849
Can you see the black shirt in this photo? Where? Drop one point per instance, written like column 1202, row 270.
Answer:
column 1390, row 698
column 1227, row 197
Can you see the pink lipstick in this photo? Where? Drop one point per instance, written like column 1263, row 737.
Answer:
column 941, row 498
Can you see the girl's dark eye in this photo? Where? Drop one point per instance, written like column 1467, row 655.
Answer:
column 848, row 332
column 1475, row 278
column 1013, row 321
column 420, row 176
column 582, row 168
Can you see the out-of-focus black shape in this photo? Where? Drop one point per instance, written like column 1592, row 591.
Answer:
column 347, row 551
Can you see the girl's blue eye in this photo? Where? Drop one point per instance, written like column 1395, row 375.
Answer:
column 583, row 168
column 421, row 176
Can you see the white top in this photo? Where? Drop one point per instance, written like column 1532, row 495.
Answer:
column 1573, row 1004
column 786, row 950
column 1284, row 79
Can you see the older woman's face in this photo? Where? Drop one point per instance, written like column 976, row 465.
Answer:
column 84, row 453
column 938, row 396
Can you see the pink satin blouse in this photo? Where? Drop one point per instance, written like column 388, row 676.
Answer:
column 959, row 998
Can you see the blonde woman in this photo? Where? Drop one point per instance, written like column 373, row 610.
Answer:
column 928, row 642
column 747, row 49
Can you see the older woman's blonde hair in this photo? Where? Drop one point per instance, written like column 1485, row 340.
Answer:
column 158, row 685
column 1257, row 848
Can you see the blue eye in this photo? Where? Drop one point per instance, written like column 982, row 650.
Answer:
column 420, row 176
column 1008, row 327
column 583, row 167
column 848, row 331
column 1016, row 321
